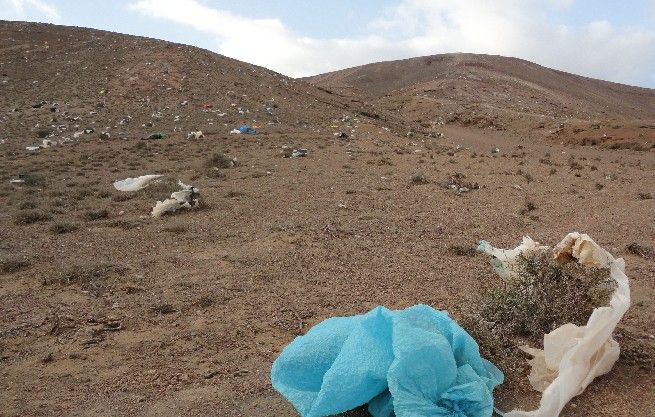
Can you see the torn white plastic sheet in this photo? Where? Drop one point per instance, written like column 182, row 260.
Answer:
column 573, row 355
column 195, row 135
column 187, row 197
column 136, row 184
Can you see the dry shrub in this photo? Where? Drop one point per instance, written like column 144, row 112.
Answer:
column 462, row 250
column 87, row 274
column 12, row 265
column 220, row 160
column 542, row 295
column 31, row 217
column 92, row 215
column 61, row 228
column 641, row 249
column 418, row 178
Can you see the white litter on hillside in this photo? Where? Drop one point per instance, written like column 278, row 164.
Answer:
column 186, row 198
column 573, row 356
column 136, row 184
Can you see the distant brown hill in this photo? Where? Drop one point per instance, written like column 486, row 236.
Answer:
column 503, row 93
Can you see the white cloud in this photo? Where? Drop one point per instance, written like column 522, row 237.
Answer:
column 521, row 28
column 37, row 10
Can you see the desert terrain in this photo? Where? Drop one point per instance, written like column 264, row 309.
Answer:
column 107, row 311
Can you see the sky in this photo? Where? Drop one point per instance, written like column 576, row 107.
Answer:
column 608, row 39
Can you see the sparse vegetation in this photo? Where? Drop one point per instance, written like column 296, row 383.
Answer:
column 221, row 161
column 542, row 295
column 87, row 273
column 529, row 207
column 61, row 228
column 163, row 308
column 641, row 249
column 418, row 178
column 12, row 265
column 93, row 215
column 31, row 217
column 462, row 250
column 177, row 229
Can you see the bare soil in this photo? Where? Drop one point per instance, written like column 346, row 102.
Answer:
column 107, row 311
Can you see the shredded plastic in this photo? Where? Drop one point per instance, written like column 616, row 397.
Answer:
column 186, row 198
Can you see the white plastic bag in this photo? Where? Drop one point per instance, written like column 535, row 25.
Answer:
column 135, row 184
column 573, row 355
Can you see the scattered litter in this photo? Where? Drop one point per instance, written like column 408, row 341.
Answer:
column 17, row 181
column 299, row 153
column 235, row 132
column 293, row 153
column 195, row 135
column 187, row 197
column 136, row 184
column 32, row 148
column 412, row 362
column 247, row 130
column 341, row 135
column 89, row 131
column 154, row 136
column 573, row 355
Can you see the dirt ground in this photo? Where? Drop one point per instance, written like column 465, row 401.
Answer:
column 107, row 311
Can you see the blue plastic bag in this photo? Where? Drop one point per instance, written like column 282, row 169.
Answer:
column 245, row 129
column 412, row 362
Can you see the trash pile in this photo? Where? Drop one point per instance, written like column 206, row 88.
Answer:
column 187, row 198
column 420, row 362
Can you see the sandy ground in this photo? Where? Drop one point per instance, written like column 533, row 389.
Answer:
column 116, row 313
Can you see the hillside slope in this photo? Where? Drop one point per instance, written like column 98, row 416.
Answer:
column 106, row 310
column 55, row 77
column 502, row 93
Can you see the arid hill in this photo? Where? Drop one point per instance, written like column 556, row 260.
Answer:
column 503, row 93
column 108, row 311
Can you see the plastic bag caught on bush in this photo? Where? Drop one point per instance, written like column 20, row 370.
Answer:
column 412, row 362
column 573, row 355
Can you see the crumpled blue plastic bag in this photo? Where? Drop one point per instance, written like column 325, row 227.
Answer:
column 245, row 129
column 412, row 362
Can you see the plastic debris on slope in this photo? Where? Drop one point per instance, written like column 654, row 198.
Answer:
column 186, row 198
column 247, row 130
column 412, row 362
column 195, row 135
column 136, row 184
column 573, row 355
